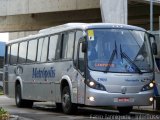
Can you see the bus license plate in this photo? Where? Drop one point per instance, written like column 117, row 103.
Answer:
column 123, row 99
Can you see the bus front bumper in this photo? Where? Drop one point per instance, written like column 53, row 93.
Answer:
column 102, row 98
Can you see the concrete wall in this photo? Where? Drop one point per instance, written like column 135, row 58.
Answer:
column 15, row 35
column 16, row 7
column 34, row 22
column 114, row 11
column 33, row 15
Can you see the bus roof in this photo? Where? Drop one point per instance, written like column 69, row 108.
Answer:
column 89, row 26
column 72, row 26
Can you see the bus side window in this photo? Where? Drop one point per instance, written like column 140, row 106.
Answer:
column 40, row 44
column 78, row 36
column 59, row 46
column 22, row 52
column 42, row 49
column 32, row 50
column 67, row 49
column 52, row 47
column 71, row 44
column 81, row 59
column 14, row 53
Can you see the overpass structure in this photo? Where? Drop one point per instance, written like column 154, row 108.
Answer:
column 17, row 16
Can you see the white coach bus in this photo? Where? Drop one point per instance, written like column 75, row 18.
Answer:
column 80, row 64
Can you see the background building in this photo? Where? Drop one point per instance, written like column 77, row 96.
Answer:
column 20, row 16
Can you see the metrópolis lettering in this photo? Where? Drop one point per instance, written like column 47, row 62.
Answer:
column 43, row 73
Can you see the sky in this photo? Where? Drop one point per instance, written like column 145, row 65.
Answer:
column 4, row 37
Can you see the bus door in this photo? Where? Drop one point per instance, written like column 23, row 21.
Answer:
column 5, row 74
column 81, row 74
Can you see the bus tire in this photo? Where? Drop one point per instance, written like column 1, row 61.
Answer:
column 18, row 98
column 125, row 110
column 28, row 103
column 59, row 106
column 67, row 106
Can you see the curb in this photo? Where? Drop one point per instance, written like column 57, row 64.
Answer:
column 147, row 111
column 15, row 117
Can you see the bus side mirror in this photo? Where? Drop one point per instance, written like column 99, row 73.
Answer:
column 154, row 48
column 154, row 45
column 84, row 46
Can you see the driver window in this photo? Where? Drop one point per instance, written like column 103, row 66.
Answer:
column 79, row 34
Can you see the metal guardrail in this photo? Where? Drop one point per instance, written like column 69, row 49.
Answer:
column 147, row 1
column 155, row 1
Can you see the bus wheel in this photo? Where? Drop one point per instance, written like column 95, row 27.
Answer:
column 125, row 110
column 18, row 98
column 59, row 106
column 67, row 106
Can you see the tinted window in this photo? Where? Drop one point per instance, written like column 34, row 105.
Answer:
column 68, row 42
column 14, row 51
column 52, row 47
column 22, row 52
column 40, row 43
column 59, row 48
column 118, row 50
column 32, row 48
column 44, row 50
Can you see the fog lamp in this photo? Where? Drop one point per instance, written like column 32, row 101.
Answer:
column 151, row 99
column 91, row 98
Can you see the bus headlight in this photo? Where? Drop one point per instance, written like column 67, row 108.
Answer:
column 91, row 83
column 148, row 86
column 95, row 85
column 151, row 85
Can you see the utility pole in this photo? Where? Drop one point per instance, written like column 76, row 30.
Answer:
column 151, row 15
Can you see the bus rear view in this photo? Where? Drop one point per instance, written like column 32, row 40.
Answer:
column 120, row 68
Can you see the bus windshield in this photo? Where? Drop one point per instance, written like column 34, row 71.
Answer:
column 119, row 50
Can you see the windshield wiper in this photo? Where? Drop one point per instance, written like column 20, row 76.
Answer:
column 125, row 56
column 114, row 52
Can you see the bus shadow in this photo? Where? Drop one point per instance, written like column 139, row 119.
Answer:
column 89, row 112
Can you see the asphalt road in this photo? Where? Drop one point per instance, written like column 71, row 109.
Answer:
column 47, row 111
